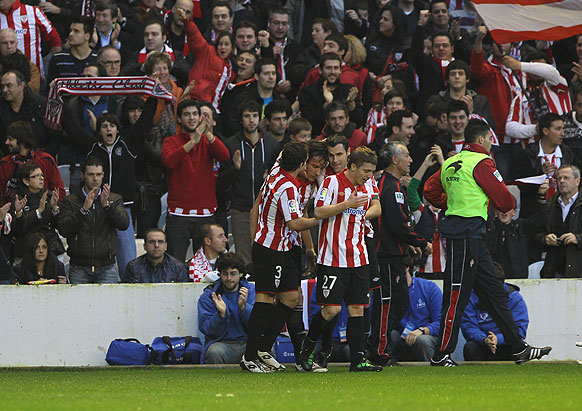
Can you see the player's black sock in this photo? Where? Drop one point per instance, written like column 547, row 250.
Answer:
column 366, row 324
column 327, row 334
column 316, row 327
column 278, row 317
column 296, row 329
column 257, row 324
column 355, row 334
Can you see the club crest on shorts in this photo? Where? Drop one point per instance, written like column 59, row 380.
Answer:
column 325, row 292
column 277, row 282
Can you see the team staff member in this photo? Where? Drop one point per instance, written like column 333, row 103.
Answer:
column 275, row 270
column 463, row 187
column 390, row 293
column 344, row 202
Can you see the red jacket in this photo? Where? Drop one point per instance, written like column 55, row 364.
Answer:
column 493, row 85
column 190, row 176
column 212, row 74
column 48, row 165
column 496, row 190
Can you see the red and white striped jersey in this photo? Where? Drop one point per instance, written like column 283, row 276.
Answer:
column 31, row 26
column 375, row 119
column 341, row 237
column 279, row 204
column 306, row 191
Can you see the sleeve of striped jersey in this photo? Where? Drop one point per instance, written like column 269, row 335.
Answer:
column 543, row 70
column 325, row 193
column 375, row 191
column 47, row 32
column 289, row 204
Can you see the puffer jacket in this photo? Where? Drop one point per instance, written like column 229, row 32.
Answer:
column 92, row 238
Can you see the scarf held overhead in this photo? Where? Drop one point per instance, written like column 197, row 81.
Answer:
column 98, row 86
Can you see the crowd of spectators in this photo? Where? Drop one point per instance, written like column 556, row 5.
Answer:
column 248, row 77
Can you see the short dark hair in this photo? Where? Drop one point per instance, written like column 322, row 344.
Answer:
column 24, row 170
column 546, row 121
column 437, row 109
column 538, row 55
column 458, row 65
column 222, row 4
column 388, row 152
column 277, row 11
column 475, row 128
column 100, row 69
column 231, row 260
column 265, row 61
column 327, row 57
column 132, row 102
column 21, row 131
column 326, row 24
column 336, row 106
column 280, row 105
column 19, row 76
column 457, row 105
column 395, row 93
column 185, row 104
column 109, row 117
column 433, row 2
column 298, row 125
column 153, row 230
column 85, row 21
column 442, row 34
column 335, row 139
column 340, row 40
column 246, row 24
column 248, row 105
column 317, row 148
column 16, row 62
column 210, row 106
column 294, row 154
column 157, row 21
column 362, row 155
column 91, row 161
column 395, row 119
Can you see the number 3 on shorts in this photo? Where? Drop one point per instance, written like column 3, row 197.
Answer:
column 279, row 269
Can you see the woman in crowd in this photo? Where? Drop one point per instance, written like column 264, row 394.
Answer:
column 39, row 263
column 41, row 211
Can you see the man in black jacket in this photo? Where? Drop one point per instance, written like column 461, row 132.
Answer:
column 390, row 292
column 253, row 153
column 90, row 221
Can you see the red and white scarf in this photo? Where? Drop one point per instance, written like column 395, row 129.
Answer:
column 281, row 60
column 98, row 86
column 88, row 8
column 199, row 267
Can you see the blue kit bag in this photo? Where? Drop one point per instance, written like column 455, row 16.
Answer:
column 128, row 351
column 176, row 350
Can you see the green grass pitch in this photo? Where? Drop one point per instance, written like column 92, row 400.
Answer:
column 542, row 386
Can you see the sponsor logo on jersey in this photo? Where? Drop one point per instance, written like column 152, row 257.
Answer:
column 355, row 211
column 21, row 31
column 322, row 194
column 399, row 197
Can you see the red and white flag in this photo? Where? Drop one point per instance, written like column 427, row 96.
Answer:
column 516, row 20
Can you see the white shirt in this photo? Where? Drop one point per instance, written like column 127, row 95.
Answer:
column 566, row 206
column 554, row 158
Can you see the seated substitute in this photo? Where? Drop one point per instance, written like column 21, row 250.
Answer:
column 156, row 265
column 416, row 336
column 485, row 342
column 224, row 310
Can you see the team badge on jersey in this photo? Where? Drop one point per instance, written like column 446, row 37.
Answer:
column 399, row 197
column 292, row 206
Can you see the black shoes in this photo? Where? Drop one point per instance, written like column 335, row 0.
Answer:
column 530, row 353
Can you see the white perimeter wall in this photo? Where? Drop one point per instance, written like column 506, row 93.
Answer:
column 72, row 325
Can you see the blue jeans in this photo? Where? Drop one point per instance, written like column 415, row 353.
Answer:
column 84, row 275
column 126, row 250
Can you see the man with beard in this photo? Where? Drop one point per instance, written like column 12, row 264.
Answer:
column 253, row 154
column 315, row 99
column 337, row 121
column 189, row 160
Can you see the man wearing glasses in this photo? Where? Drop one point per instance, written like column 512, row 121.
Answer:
column 224, row 310
column 155, row 266
column 110, row 58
